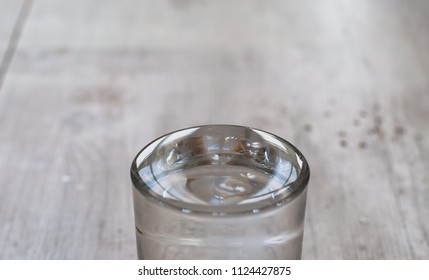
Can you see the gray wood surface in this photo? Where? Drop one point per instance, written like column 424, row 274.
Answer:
column 91, row 82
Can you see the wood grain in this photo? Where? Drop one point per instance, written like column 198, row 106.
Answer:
column 92, row 82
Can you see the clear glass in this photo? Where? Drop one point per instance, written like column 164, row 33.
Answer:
column 219, row 192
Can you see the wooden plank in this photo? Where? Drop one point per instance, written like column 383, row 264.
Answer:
column 347, row 82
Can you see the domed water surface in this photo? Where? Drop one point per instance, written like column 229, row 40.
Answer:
column 219, row 168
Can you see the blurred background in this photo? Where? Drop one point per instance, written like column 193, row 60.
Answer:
column 85, row 84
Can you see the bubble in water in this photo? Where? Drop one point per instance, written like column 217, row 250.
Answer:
column 174, row 156
column 165, row 194
column 217, row 199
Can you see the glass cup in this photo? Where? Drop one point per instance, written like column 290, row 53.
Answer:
column 219, row 192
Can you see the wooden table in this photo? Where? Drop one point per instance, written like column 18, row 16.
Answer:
column 85, row 84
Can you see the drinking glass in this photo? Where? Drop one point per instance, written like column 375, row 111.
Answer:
column 219, row 192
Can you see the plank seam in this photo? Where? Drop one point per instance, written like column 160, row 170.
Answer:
column 14, row 39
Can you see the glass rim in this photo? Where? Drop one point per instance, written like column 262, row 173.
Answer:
column 299, row 184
